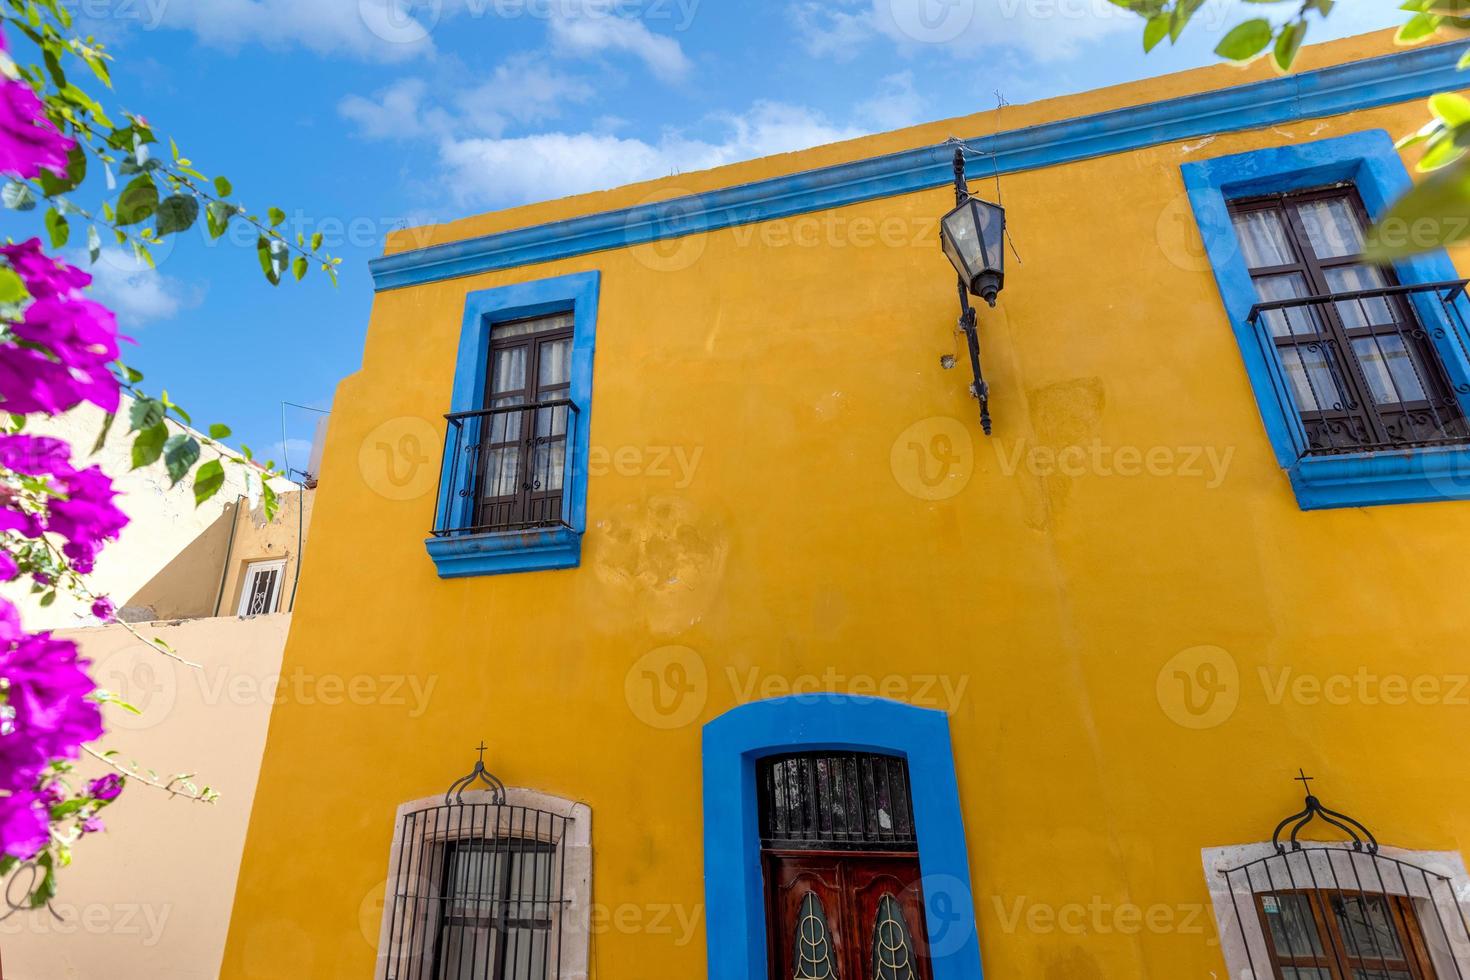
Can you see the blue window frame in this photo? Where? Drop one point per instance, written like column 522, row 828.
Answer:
column 533, row 549
column 1368, row 160
column 734, row 889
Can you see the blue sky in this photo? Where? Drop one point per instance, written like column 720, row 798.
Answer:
column 360, row 116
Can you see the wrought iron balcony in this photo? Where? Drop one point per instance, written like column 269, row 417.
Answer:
column 508, row 468
column 1367, row 369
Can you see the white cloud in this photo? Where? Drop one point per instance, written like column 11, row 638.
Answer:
column 1047, row 30
column 897, row 104
column 521, row 90
column 591, row 27
column 396, row 112
column 137, row 293
column 381, row 30
column 499, row 172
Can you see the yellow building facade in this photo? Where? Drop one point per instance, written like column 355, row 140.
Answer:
column 756, row 518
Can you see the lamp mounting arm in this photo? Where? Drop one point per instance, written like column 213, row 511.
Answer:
column 967, row 320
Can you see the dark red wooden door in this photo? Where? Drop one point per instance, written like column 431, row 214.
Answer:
column 850, row 915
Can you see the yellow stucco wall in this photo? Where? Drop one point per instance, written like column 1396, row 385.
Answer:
column 800, row 544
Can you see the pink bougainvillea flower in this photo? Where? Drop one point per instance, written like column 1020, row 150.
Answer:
column 28, row 140
column 103, row 608
column 8, row 568
column 45, row 277
column 50, row 716
column 86, row 516
column 106, row 788
column 23, row 830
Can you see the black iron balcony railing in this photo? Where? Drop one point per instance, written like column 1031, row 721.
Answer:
column 1367, row 370
column 508, row 468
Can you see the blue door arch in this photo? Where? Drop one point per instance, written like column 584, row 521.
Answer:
column 734, row 893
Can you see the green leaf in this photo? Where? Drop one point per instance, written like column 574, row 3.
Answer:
column 219, row 431
column 1418, row 27
column 76, row 171
column 102, row 435
column 1433, row 214
column 276, row 215
column 223, row 187
column 1288, row 43
column 298, row 267
column 271, row 260
column 57, row 227
column 1246, row 40
column 180, row 454
column 1183, row 11
column 148, row 446
column 145, row 414
column 94, row 243
column 177, row 213
column 12, row 289
column 316, row 241
column 218, row 216
column 208, row 480
column 1155, row 31
column 137, row 201
column 268, row 498
column 1451, row 108
column 18, row 196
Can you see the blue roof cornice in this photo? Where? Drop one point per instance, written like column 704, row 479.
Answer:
column 1365, row 84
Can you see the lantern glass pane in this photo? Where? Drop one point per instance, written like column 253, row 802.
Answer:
column 992, row 234
column 962, row 242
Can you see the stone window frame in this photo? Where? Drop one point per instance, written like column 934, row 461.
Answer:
column 1242, row 940
column 573, row 927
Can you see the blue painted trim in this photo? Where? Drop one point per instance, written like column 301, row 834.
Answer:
column 1369, row 160
column 518, row 551
column 733, row 885
column 1397, row 77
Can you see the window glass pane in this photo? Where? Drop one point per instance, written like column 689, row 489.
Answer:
column 1292, row 320
column 554, row 366
column 1332, row 227
column 504, row 426
column 1293, row 930
column 1359, row 312
column 1392, row 370
column 522, row 328
column 525, row 953
column 465, row 952
column 502, row 472
column 1381, row 975
column 1305, row 973
column 1366, row 926
column 1263, row 239
column 508, row 369
column 1312, row 378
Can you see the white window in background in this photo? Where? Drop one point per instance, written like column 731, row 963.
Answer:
column 261, row 592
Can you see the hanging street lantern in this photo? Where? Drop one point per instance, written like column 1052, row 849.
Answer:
column 973, row 237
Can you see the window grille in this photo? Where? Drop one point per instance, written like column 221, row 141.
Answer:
column 1345, row 911
column 477, row 890
column 836, row 801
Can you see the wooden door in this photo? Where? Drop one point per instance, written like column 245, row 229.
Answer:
column 845, row 915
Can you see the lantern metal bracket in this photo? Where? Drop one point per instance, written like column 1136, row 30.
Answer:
column 967, row 322
column 1363, row 839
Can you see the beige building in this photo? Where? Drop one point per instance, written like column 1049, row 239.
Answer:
column 150, row 897
column 174, row 560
